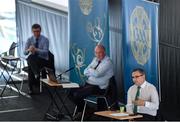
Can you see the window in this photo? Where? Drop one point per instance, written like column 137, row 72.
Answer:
column 7, row 24
column 57, row 4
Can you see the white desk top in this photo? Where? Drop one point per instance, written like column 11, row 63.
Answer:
column 10, row 57
column 63, row 85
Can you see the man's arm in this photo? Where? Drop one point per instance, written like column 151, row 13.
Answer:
column 104, row 67
column 153, row 104
column 27, row 45
column 90, row 66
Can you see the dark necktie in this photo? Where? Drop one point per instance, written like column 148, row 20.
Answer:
column 37, row 43
column 97, row 65
column 136, row 98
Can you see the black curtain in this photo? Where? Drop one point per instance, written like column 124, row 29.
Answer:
column 169, row 51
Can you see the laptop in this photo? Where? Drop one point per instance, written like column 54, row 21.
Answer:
column 52, row 77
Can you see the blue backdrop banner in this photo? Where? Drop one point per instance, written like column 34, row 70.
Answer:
column 88, row 20
column 140, row 40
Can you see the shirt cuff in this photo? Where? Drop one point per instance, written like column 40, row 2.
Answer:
column 147, row 104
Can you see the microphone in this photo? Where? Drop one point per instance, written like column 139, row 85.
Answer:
column 115, row 104
column 60, row 75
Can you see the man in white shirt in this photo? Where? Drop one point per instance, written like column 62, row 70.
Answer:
column 99, row 71
column 145, row 100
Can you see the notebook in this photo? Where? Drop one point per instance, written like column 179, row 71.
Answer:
column 52, row 77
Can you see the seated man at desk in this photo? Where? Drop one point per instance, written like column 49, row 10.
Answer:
column 99, row 71
column 36, row 48
column 142, row 96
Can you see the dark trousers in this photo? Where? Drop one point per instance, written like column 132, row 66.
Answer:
column 78, row 95
column 147, row 117
column 35, row 65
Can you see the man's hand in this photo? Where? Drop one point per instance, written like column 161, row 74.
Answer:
column 32, row 49
column 139, row 102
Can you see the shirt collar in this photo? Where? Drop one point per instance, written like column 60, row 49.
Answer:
column 102, row 59
column 144, row 84
column 38, row 38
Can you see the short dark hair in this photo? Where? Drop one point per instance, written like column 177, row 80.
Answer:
column 36, row 26
column 140, row 70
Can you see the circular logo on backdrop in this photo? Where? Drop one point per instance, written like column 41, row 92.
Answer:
column 140, row 35
column 86, row 6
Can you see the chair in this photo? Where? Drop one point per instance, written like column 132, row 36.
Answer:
column 109, row 97
column 50, row 65
column 10, row 52
column 9, row 63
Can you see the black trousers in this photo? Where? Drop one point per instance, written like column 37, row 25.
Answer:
column 35, row 65
column 78, row 95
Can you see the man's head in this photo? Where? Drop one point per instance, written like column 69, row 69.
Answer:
column 138, row 76
column 36, row 29
column 100, row 52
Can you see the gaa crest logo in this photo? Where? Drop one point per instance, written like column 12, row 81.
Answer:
column 140, row 35
column 86, row 6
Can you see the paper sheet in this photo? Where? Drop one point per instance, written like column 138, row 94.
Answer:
column 70, row 85
column 119, row 114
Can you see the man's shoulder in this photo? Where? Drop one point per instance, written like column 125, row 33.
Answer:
column 107, row 58
column 150, row 85
column 30, row 38
column 132, row 87
column 44, row 37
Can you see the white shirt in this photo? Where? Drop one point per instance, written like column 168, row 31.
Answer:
column 148, row 93
column 101, row 75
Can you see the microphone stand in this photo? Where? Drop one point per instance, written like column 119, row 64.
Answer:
column 60, row 75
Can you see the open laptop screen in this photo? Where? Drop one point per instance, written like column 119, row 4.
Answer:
column 52, row 77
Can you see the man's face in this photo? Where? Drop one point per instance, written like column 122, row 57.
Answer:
column 36, row 32
column 138, row 78
column 100, row 53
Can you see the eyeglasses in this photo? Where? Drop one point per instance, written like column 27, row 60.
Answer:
column 36, row 31
column 133, row 77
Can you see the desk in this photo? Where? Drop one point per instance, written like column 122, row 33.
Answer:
column 54, row 93
column 109, row 115
column 9, row 73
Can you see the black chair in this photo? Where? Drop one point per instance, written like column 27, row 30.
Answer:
column 109, row 97
column 50, row 65
column 43, row 71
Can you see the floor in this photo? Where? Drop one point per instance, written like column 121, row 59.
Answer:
column 23, row 107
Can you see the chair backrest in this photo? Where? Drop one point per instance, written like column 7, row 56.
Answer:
column 106, row 101
column 51, row 61
column 111, row 91
column 50, row 64
column 12, row 48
